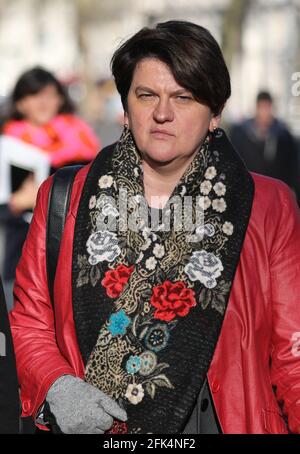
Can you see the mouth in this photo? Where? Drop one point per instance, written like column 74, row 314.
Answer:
column 161, row 133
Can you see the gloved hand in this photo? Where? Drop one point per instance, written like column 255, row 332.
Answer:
column 80, row 408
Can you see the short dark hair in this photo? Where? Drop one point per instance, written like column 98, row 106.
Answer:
column 192, row 54
column 32, row 82
column 264, row 96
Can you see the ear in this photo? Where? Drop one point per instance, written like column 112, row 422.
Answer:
column 214, row 122
column 126, row 119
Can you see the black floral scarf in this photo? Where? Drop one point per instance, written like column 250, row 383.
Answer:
column 150, row 287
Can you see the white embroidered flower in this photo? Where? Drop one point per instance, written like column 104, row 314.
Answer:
column 149, row 235
column 92, row 203
column 102, row 246
column 205, row 187
column 105, row 181
column 204, row 267
column 220, row 189
column 159, row 251
column 151, row 263
column 206, row 230
column 210, row 173
column 135, row 394
column 204, row 203
column 109, row 210
column 219, row 205
column 227, row 228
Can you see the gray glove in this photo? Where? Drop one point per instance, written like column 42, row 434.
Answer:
column 80, row 408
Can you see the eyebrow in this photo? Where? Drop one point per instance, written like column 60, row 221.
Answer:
column 181, row 91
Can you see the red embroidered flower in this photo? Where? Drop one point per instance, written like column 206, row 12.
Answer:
column 172, row 299
column 115, row 280
column 118, row 428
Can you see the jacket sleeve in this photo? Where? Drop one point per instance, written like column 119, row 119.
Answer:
column 285, row 278
column 39, row 361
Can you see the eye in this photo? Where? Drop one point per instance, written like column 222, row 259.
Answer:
column 184, row 98
column 146, row 95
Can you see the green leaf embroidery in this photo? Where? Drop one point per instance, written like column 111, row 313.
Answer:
column 82, row 261
column 159, row 368
column 150, row 388
column 83, row 278
column 163, row 381
column 94, row 275
column 143, row 333
column 134, row 325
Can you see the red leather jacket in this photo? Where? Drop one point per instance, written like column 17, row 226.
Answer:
column 259, row 342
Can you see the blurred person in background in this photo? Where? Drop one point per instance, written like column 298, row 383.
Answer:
column 41, row 114
column 266, row 145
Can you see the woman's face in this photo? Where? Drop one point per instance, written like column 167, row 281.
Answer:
column 167, row 123
column 41, row 107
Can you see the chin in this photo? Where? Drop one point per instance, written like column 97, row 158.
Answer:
column 160, row 157
column 160, row 153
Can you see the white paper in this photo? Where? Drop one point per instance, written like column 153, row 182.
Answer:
column 15, row 152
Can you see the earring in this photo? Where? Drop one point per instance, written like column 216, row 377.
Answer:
column 214, row 128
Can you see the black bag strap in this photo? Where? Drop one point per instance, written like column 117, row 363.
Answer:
column 58, row 205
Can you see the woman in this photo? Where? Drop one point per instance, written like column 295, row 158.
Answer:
column 146, row 312
column 42, row 115
column 9, row 398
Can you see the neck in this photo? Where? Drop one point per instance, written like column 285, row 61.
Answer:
column 161, row 180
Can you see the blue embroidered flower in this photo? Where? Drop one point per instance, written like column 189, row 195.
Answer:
column 118, row 323
column 157, row 337
column 133, row 365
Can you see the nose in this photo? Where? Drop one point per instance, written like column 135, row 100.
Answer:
column 163, row 111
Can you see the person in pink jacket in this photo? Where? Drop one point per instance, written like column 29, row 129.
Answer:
column 41, row 114
column 175, row 306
